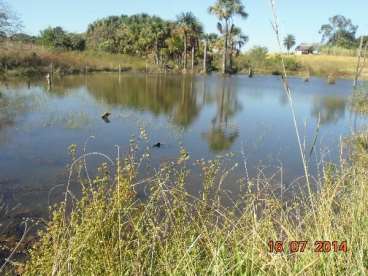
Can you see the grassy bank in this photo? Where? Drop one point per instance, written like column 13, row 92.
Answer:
column 303, row 65
column 323, row 65
column 109, row 231
column 28, row 60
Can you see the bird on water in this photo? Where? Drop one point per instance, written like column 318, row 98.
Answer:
column 106, row 116
column 158, row 145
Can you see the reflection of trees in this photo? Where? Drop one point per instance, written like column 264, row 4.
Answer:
column 187, row 109
column 330, row 108
column 222, row 135
column 158, row 94
column 7, row 118
column 12, row 106
column 61, row 87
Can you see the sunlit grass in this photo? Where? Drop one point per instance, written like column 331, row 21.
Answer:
column 110, row 231
column 323, row 65
column 29, row 60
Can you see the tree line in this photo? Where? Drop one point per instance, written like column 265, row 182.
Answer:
column 172, row 41
column 180, row 43
column 165, row 42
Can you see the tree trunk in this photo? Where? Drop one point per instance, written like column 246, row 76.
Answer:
column 157, row 56
column 356, row 77
column 224, row 58
column 231, row 55
column 205, row 57
column 193, row 52
column 185, row 53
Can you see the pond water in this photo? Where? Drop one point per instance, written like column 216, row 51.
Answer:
column 209, row 116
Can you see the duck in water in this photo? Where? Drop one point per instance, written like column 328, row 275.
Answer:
column 106, row 116
column 158, row 145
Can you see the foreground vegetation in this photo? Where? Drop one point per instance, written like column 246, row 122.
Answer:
column 110, row 231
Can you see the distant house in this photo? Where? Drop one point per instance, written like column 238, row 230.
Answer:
column 307, row 49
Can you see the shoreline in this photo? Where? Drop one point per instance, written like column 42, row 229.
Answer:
column 41, row 74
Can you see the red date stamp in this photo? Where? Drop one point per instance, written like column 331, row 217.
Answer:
column 302, row 246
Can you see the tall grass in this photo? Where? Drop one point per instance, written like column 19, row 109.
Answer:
column 110, row 231
column 323, row 65
column 338, row 51
column 29, row 60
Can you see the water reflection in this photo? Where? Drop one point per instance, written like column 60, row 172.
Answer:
column 208, row 115
column 330, row 109
column 222, row 135
column 155, row 94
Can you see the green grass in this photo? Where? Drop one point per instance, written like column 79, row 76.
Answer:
column 109, row 231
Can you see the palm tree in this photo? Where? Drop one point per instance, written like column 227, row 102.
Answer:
column 289, row 42
column 208, row 41
column 187, row 25
column 237, row 40
column 156, row 33
column 196, row 32
column 225, row 10
column 205, row 48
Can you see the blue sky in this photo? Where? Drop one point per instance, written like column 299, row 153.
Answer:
column 301, row 18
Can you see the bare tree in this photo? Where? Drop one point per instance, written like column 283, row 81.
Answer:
column 9, row 21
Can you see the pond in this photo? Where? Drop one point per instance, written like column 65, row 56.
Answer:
column 209, row 116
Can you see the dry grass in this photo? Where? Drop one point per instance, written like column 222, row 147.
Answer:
column 323, row 65
column 109, row 231
column 25, row 59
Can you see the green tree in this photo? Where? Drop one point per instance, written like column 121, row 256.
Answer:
column 54, row 37
column 237, row 40
column 60, row 39
column 225, row 11
column 187, row 25
column 195, row 37
column 157, row 31
column 289, row 42
column 139, row 35
column 77, row 42
column 209, row 40
column 174, row 44
column 257, row 56
column 339, row 32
